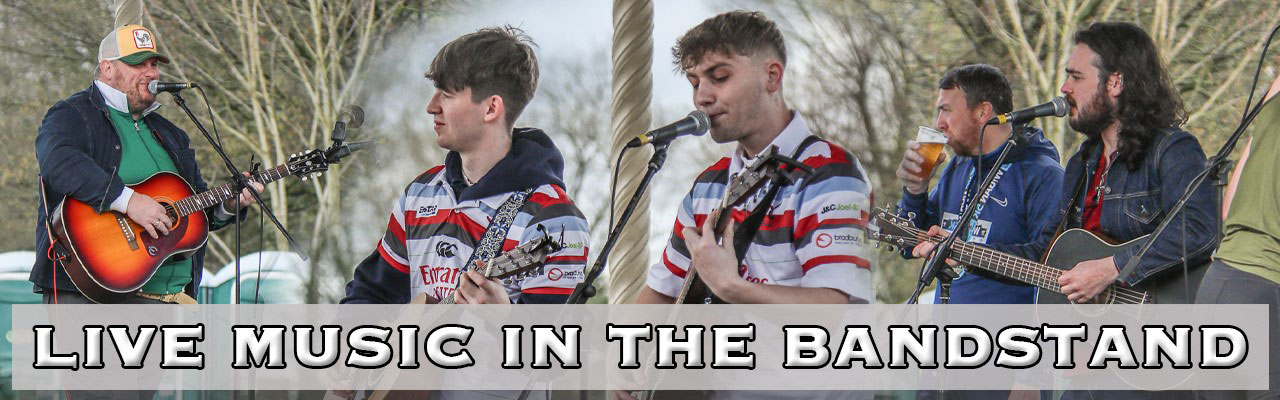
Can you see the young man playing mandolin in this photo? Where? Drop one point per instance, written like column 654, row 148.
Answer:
column 94, row 143
column 810, row 247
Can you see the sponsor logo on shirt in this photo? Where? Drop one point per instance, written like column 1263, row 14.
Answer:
column 839, row 207
column 427, row 211
column 446, row 249
column 823, row 240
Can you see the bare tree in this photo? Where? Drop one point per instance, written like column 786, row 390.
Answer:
column 279, row 73
column 862, row 82
column 1207, row 44
column 37, row 75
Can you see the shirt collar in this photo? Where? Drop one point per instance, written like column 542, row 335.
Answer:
column 492, row 201
column 787, row 141
column 119, row 101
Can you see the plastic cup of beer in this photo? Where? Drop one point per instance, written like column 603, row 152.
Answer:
column 931, row 142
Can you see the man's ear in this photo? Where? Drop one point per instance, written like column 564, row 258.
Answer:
column 494, row 109
column 774, row 71
column 984, row 111
column 103, row 67
column 1115, row 84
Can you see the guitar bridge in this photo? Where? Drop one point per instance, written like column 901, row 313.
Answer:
column 129, row 235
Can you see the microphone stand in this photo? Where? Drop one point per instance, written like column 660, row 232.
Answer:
column 935, row 266
column 241, row 183
column 1216, row 165
column 584, row 290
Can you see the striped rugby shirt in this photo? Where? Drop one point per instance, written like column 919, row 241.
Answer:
column 430, row 235
column 813, row 236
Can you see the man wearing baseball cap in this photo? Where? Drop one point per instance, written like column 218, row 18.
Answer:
column 95, row 142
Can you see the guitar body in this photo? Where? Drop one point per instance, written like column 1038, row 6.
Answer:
column 108, row 256
column 1078, row 245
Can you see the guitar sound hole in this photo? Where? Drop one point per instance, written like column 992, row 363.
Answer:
column 170, row 212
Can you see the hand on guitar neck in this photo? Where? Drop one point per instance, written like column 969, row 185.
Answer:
column 1080, row 284
column 245, row 199
column 925, row 248
column 475, row 289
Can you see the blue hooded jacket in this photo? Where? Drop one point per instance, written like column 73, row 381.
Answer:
column 1019, row 206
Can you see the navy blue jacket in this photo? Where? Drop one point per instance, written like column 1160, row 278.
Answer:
column 1138, row 200
column 79, row 152
column 1015, row 212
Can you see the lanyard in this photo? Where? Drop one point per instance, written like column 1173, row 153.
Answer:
column 982, row 202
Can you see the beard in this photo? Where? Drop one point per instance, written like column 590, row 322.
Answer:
column 139, row 102
column 1092, row 123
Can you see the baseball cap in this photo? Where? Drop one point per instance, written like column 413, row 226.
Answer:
column 131, row 44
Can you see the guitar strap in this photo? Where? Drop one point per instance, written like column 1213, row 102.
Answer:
column 55, row 252
column 1075, row 198
column 746, row 231
column 494, row 235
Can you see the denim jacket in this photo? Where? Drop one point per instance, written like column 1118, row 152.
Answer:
column 1136, row 201
column 79, row 152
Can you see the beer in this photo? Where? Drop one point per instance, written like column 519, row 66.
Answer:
column 931, row 143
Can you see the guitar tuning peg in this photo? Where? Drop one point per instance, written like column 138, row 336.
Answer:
column 506, row 281
column 304, row 178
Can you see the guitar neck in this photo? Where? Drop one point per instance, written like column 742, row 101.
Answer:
column 516, row 259
column 222, row 193
column 1030, row 272
column 1040, row 275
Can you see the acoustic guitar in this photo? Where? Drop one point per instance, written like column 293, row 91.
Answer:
column 109, row 257
column 1068, row 249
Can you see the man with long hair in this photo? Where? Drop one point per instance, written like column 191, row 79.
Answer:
column 1130, row 171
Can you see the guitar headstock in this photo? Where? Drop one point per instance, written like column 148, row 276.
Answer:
column 888, row 228
column 306, row 165
column 750, row 178
column 526, row 260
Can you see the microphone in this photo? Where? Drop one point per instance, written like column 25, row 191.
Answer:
column 351, row 116
column 694, row 124
column 1056, row 107
column 335, row 153
column 155, row 87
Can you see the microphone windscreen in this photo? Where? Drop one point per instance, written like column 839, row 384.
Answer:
column 704, row 124
column 357, row 115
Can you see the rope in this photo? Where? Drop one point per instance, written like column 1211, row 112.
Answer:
column 632, row 90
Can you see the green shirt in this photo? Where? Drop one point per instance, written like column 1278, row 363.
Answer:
column 1251, row 233
column 141, row 156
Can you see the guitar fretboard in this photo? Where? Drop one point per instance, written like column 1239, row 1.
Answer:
column 219, row 194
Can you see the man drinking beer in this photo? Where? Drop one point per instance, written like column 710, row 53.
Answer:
column 1026, row 184
column 1018, row 205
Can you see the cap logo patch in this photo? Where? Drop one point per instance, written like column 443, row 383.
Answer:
column 142, row 39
